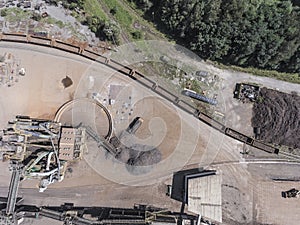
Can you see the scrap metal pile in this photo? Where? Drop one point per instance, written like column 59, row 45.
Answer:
column 10, row 70
column 246, row 92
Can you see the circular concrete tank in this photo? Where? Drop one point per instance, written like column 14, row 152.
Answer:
column 86, row 112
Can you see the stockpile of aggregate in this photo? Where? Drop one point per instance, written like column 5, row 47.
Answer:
column 278, row 116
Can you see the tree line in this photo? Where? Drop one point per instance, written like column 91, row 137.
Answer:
column 249, row 33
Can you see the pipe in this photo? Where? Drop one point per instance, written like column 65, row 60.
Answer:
column 49, row 160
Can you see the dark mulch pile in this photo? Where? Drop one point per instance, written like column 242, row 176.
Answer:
column 278, row 116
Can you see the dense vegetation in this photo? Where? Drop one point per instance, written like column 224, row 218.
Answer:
column 90, row 13
column 105, row 18
column 248, row 33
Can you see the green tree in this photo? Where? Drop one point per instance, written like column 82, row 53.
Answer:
column 114, row 10
column 256, row 33
column 3, row 12
column 36, row 16
column 137, row 34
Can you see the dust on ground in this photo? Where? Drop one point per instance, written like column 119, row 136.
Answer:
column 278, row 117
column 161, row 127
column 85, row 185
column 251, row 196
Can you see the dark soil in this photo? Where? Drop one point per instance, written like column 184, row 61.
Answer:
column 67, row 82
column 139, row 155
column 278, row 116
column 139, row 159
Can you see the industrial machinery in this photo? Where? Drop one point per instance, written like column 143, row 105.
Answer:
column 12, row 212
column 41, row 148
column 113, row 145
column 246, row 92
column 37, row 149
column 134, row 125
column 101, row 142
column 70, row 214
column 293, row 193
column 199, row 97
column 136, row 76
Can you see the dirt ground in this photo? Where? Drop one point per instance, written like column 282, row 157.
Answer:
column 39, row 93
column 271, row 208
column 161, row 126
column 183, row 141
column 236, row 114
column 278, row 117
column 249, row 194
column 76, row 114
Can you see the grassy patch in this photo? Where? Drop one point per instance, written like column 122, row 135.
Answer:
column 122, row 16
column 16, row 14
column 93, row 8
column 51, row 20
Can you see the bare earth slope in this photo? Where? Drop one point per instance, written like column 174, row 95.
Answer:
column 278, row 116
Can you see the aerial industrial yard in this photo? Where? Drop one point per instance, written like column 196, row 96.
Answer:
column 90, row 135
column 145, row 133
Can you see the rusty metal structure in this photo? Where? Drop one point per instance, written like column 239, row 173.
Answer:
column 41, row 148
column 140, row 78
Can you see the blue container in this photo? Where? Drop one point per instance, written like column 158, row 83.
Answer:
column 199, row 97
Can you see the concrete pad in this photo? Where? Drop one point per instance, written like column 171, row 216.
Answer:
column 204, row 196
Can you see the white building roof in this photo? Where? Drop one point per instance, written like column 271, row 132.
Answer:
column 204, row 196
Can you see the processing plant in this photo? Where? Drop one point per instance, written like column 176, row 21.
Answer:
column 41, row 148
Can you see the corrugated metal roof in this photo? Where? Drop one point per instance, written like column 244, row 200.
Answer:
column 204, row 196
